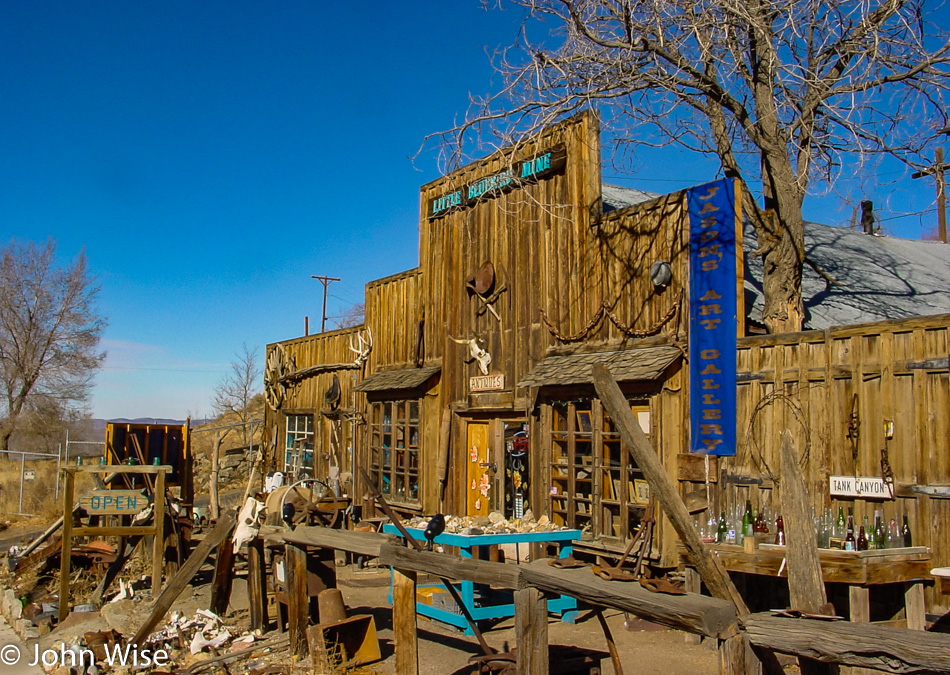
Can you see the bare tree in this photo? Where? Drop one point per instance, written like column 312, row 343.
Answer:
column 353, row 316
column 780, row 92
column 233, row 396
column 49, row 332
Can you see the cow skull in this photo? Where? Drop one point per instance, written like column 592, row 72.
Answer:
column 479, row 355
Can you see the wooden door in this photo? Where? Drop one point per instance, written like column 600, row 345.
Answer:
column 479, row 483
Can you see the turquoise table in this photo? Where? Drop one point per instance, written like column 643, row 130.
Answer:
column 489, row 603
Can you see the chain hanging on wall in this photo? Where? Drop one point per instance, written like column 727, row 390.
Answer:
column 604, row 310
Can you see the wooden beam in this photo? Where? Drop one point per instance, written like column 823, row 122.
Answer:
column 221, row 583
column 158, row 543
column 405, row 622
column 863, row 645
column 531, row 632
column 806, row 589
column 360, row 543
column 298, row 598
column 185, row 574
column 693, row 613
column 257, row 584
column 67, row 546
column 499, row 575
column 662, row 487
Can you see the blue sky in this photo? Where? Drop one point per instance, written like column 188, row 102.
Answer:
column 210, row 157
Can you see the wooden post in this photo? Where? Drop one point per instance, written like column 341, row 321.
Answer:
column 692, row 584
column 257, row 584
column 298, row 599
column 223, row 577
column 531, row 631
column 158, row 545
column 662, row 487
column 806, row 588
column 185, row 573
column 67, row 549
column 914, row 606
column 732, row 656
column 404, row 622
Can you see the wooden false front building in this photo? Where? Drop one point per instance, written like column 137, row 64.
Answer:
column 468, row 388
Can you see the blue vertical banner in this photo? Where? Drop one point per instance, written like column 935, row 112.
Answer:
column 713, row 304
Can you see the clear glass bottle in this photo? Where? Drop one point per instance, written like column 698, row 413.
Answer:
column 894, row 539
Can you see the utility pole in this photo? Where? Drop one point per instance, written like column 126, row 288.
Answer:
column 326, row 281
column 937, row 171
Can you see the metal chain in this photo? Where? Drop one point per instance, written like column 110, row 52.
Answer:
column 629, row 331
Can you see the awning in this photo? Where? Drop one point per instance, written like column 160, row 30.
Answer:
column 394, row 380
column 629, row 365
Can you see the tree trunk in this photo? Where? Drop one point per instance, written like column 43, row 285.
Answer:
column 215, row 506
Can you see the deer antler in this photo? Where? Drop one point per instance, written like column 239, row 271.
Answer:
column 362, row 348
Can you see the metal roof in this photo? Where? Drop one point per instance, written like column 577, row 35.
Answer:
column 626, row 366
column 391, row 380
column 878, row 277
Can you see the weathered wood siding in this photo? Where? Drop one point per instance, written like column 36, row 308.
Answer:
column 393, row 312
column 805, row 382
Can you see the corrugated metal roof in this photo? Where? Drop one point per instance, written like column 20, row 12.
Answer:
column 626, row 366
column 407, row 378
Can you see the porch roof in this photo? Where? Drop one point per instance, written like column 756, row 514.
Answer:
column 390, row 380
column 626, row 366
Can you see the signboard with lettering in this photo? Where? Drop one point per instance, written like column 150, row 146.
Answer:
column 486, row 383
column 712, row 317
column 518, row 175
column 29, row 474
column 866, row 487
column 113, row 502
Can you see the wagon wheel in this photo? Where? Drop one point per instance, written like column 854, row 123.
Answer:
column 276, row 366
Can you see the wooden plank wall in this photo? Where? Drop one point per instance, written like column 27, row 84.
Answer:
column 307, row 396
column 536, row 236
column 393, row 312
column 805, row 382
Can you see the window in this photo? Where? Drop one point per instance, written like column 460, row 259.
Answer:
column 394, row 450
column 298, row 459
column 593, row 478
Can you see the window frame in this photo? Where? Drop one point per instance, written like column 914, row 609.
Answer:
column 393, row 459
column 296, row 457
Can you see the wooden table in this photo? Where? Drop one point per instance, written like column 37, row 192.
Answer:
column 858, row 570
column 477, row 545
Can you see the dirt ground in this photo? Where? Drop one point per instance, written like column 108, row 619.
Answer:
column 445, row 650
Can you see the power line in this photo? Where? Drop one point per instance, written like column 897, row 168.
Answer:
column 326, row 281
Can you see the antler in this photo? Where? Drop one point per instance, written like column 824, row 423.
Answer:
column 362, row 348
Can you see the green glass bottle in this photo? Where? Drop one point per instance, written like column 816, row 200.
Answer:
column 839, row 524
column 722, row 532
column 908, row 540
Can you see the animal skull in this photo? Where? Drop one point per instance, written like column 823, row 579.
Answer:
column 482, row 357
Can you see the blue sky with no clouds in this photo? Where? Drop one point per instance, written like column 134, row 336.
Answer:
column 210, row 157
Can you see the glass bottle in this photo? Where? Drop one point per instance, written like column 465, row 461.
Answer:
column 868, row 533
column 893, row 535
column 862, row 539
column 908, row 539
column 839, row 524
column 780, row 531
column 849, row 543
column 722, row 532
column 747, row 519
column 761, row 526
column 880, row 535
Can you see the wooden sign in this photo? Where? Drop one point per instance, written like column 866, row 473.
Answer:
column 486, row 382
column 866, row 487
column 113, row 502
column 518, row 175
